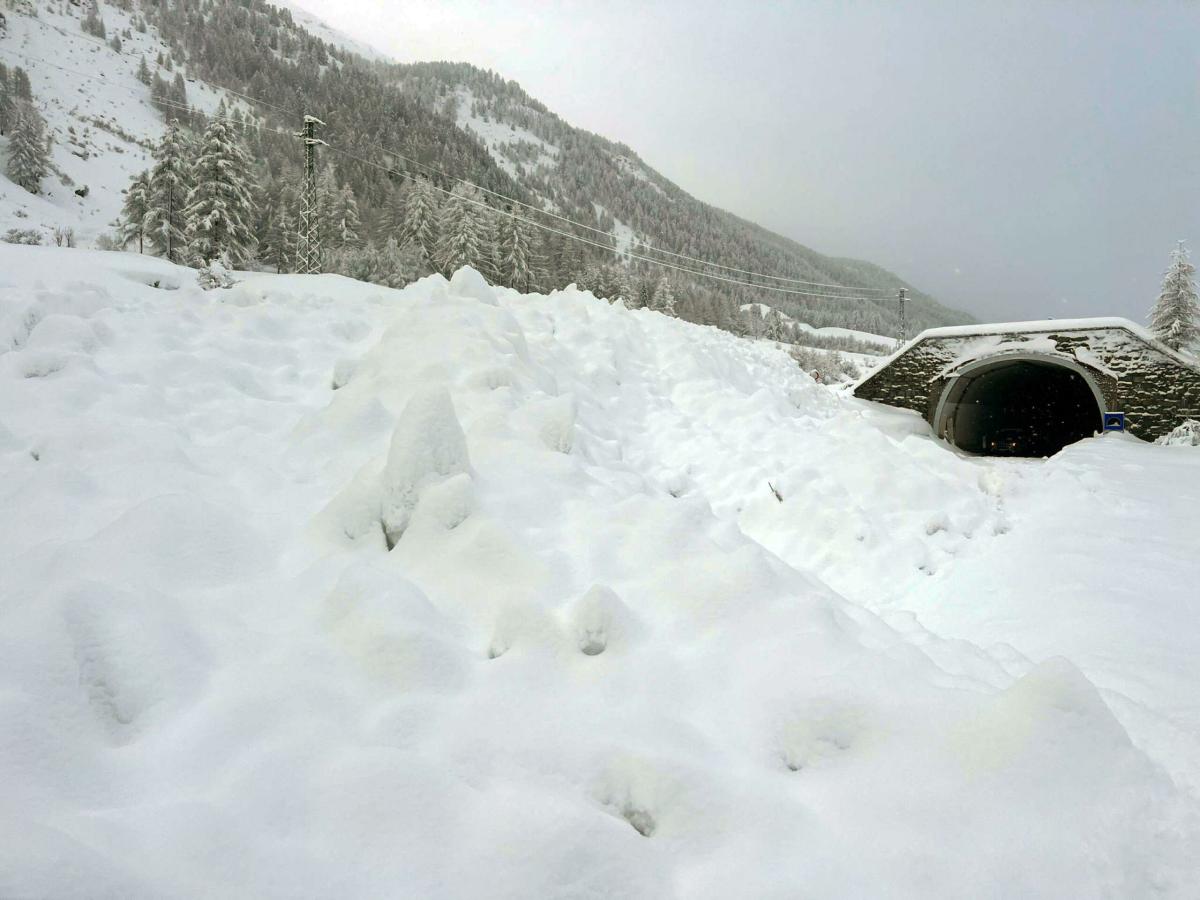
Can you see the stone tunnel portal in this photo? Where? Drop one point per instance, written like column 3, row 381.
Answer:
column 1019, row 407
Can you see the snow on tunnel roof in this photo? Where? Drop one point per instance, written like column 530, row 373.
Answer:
column 1031, row 327
column 1036, row 325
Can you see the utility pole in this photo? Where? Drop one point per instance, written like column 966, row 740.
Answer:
column 902, row 296
column 309, row 245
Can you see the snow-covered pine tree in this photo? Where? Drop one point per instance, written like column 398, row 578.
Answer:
column 170, row 182
column 589, row 278
column 143, row 72
column 664, row 297
column 615, row 284
column 465, row 235
column 421, row 215
column 569, row 262
column 92, row 23
column 754, row 321
column 519, row 265
column 28, row 155
column 22, row 88
column 133, row 212
column 391, row 213
column 774, row 330
column 1175, row 318
column 220, row 206
column 178, row 96
column 7, row 98
column 326, row 206
column 160, row 95
column 346, row 228
column 391, row 265
column 282, row 230
column 732, row 319
column 643, row 291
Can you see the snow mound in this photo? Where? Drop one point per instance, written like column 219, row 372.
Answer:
column 1186, row 434
column 491, row 617
column 428, row 447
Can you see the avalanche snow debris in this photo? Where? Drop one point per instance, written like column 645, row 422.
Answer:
column 601, row 659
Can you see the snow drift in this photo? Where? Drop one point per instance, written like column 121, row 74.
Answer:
column 312, row 588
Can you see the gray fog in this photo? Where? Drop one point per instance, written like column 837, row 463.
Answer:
column 1014, row 159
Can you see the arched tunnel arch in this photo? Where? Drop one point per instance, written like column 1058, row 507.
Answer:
column 1019, row 405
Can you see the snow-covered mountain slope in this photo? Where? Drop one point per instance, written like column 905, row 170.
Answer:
column 449, row 119
column 322, row 29
column 594, row 180
column 579, row 671
column 100, row 121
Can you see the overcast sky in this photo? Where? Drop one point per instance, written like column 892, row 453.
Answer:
column 1015, row 159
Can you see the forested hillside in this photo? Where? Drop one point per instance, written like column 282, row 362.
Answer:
column 402, row 141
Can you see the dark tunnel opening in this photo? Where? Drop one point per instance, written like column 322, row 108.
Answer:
column 1019, row 408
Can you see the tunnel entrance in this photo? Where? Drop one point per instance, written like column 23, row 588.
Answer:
column 1019, row 407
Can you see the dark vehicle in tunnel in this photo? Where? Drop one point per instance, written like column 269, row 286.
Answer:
column 1007, row 442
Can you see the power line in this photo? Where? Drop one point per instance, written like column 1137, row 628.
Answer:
column 609, row 248
column 540, row 225
column 397, row 154
column 537, row 209
column 569, row 221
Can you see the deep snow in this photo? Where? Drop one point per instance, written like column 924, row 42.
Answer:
column 601, row 659
column 98, row 115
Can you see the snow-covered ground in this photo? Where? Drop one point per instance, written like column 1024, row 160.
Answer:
column 831, row 331
column 601, row 658
column 100, row 121
column 498, row 137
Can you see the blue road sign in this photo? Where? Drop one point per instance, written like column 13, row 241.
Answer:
column 1114, row 421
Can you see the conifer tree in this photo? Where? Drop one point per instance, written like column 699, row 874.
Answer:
column 170, row 180
column 1175, row 318
column 614, row 283
column 664, row 297
column 326, row 209
column 133, row 212
column 8, row 98
column 22, row 89
column 143, row 72
column 178, row 94
column 643, row 292
column 28, row 155
column 346, row 227
column 220, row 207
column 774, row 329
column 281, row 230
column 421, row 216
column 518, row 264
column 589, row 278
column 465, row 238
column 92, row 23
column 391, row 215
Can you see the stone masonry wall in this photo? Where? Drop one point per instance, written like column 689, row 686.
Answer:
column 1154, row 390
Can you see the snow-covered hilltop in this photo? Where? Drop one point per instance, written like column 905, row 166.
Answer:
column 313, row 588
